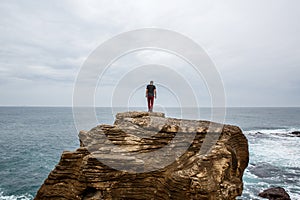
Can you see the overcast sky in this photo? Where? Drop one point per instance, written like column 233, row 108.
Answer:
column 254, row 44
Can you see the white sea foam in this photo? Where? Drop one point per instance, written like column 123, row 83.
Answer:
column 274, row 153
column 283, row 131
column 15, row 197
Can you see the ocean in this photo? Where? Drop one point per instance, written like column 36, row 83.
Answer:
column 33, row 138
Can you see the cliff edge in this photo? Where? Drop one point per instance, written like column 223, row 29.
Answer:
column 148, row 156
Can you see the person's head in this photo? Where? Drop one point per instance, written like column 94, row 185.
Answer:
column 151, row 82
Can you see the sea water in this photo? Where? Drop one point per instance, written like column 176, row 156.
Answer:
column 33, row 138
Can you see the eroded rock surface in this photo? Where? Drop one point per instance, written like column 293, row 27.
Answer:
column 147, row 156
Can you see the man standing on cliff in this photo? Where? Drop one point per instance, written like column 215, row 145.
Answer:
column 150, row 95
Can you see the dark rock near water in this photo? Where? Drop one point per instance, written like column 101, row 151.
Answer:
column 276, row 193
column 89, row 172
column 264, row 170
column 296, row 133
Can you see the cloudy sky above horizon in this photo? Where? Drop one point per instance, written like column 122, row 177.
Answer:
column 255, row 46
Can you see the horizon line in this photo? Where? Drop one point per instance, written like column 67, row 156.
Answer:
column 64, row 106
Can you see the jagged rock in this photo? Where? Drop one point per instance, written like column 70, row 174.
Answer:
column 276, row 193
column 147, row 156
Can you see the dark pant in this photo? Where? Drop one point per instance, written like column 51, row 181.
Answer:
column 150, row 103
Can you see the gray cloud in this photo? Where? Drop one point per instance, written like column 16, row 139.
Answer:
column 254, row 44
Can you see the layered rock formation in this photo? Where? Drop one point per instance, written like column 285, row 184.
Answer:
column 147, row 156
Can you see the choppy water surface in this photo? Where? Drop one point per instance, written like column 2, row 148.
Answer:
column 33, row 138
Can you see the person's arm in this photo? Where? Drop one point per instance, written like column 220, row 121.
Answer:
column 155, row 93
column 146, row 92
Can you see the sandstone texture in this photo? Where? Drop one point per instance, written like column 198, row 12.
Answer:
column 148, row 156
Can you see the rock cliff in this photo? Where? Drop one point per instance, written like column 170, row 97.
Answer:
column 147, row 156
